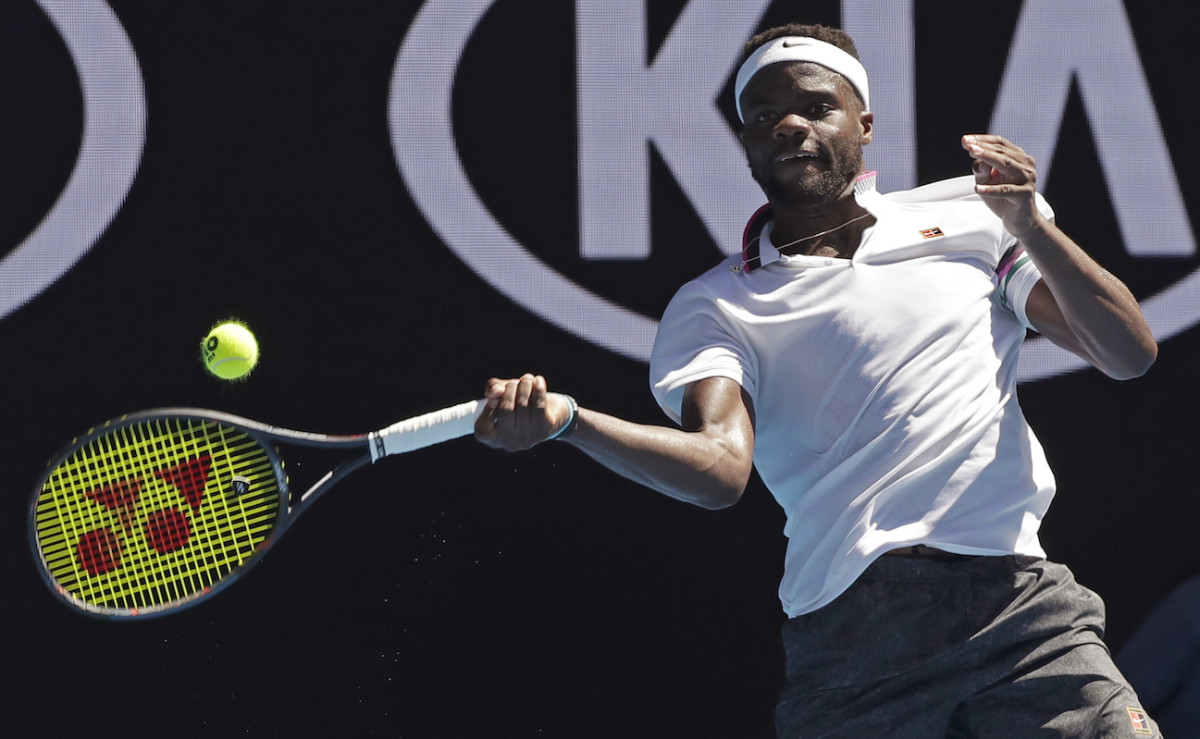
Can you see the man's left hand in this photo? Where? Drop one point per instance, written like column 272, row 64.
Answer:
column 1006, row 179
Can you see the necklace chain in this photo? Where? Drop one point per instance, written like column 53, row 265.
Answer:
column 819, row 235
column 758, row 257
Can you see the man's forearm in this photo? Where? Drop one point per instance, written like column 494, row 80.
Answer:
column 710, row 471
column 1098, row 309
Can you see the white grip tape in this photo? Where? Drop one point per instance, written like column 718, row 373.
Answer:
column 426, row 430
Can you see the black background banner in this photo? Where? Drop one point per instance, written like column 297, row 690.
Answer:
column 458, row 591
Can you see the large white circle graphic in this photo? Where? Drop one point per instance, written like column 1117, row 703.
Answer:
column 114, row 126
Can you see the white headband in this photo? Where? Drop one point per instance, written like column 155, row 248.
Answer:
column 802, row 49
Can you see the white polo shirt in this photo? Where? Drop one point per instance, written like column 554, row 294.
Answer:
column 884, row 386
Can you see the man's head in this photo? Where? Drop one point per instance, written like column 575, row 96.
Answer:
column 802, row 95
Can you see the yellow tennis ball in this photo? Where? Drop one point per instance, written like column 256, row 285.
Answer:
column 230, row 351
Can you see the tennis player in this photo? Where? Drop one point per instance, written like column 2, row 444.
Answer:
column 861, row 354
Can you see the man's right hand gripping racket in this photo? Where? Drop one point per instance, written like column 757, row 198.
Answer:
column 158, row 510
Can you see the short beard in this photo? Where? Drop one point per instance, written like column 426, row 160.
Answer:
column 827, row 186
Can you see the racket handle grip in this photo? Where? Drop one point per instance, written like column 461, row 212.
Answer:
column 426, row 430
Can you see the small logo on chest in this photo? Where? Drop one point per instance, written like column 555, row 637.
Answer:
column 1140, row 721
column 932, row 233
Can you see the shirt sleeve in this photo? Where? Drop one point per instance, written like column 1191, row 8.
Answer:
column 1016, row 273
column 695, row 341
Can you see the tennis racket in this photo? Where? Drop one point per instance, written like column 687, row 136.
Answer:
column 161, row 509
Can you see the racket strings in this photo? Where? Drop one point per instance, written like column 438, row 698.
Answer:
column 155, row 512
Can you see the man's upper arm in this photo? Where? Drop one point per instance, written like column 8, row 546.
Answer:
column 720, row 407
column 1047, row 319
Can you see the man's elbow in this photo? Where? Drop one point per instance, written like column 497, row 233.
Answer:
column 1135, row 364
column 722, row 497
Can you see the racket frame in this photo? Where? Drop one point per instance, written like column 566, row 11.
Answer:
column 266, row 436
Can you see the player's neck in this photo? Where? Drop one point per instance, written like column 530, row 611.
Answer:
column 833, row 229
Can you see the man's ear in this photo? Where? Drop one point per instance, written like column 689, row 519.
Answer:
column 867, row 119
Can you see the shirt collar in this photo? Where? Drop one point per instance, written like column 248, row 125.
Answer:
column 757, row 250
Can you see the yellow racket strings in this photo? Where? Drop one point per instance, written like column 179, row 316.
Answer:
column 155, row 512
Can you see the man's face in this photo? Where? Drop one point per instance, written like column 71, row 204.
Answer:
column 804, row 133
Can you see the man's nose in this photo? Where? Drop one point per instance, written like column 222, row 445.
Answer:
column 792, row 124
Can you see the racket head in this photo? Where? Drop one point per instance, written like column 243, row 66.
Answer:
column 154, row 511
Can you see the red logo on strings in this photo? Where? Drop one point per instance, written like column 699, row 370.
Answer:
column 166, row 530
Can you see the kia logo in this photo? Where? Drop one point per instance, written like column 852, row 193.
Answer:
column 1051, row 51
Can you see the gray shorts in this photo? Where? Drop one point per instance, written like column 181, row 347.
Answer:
column 957, row 647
